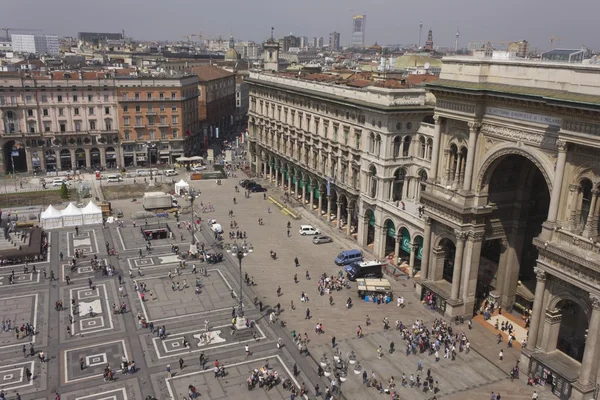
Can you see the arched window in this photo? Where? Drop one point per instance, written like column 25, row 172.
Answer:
column 378, row 145
column 429, row 148
column 423, row 148
column 397, row 145
column 372, row 181
column 422, row 181
column 406, row 149
column 586, row 201
column 371, row 143
column 398, row 188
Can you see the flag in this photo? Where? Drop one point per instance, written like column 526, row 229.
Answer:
column 328, row 186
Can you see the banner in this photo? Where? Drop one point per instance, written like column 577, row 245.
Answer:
column 328, row 186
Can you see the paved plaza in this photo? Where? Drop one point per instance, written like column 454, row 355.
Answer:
column 101, row 322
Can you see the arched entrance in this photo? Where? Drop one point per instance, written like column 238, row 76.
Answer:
column 111, row 157
column 449, row 250
column 405, row 245
column 389, row 231
column 15, row 157
column 521, row 198
column 95, row 158
column 573, row 329
column 50, row 157
column 398, row 188
column 65, row 160
column 418, row 247
column 370, row 220
column 80, row 161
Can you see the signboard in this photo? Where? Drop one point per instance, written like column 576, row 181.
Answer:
column 210, row 154
column 405, row 244
column 228, row 155
column 524, row 116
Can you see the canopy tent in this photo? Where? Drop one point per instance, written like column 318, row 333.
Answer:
column 71, row 216
column 51, row 218
column 182, row 159
column 181, row 185
column 195, row 158
column 92, row 214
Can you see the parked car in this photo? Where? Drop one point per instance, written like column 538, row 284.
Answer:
column 114, row 178
column 60, row 181
column 258, row 189
column 198, row 168
column 308, row 230
column 320, row 239
column 170, row 172
column 248, row 183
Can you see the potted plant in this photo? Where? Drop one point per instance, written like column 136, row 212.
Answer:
column 71, row 141
column 102, row 140
column 337, row 355
column 324, row 360
column 357, row 369
column 352, row 358
column 327, row 371
column 86, row 140
column 343, row 376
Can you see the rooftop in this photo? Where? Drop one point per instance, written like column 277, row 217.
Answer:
column 208, row 73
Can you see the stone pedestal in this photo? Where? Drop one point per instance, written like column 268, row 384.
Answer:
column 240, row 323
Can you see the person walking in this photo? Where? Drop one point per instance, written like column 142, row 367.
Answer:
column 501, row 355
column 247, row 349
column 180, row 363
column 307, row 313
column 332, row 341
column 168, row 370
column 81, row 363
column 379, row 352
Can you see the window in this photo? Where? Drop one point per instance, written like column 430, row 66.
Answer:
column 138, row 109
column 126, row 121
column 63, row 126
column 126, row 135
column 91, row 110
column 106, row 110
column 174, row 119
column 163, row 134
column 76, row 110
column 108, row 124
column 45, row 112
column 163, row 120
column 125, row 108
column 149, row 96
column 28, row 99
column 77, row 126
column 137, row 96
column 150, row 120
column 173, row 95
column 47, row 126
column 59, row 98
column 138, row 121
column 74, row 98
column 105, row 97
column 162, row 107
column 161, row 96
column 32, row 127
column 151, row 134
column 409, row 125
column 399, row 126
column 92, row 125
column 175, row 133
column 140, row 134
column 30, row 113
column 61, row 112
column 150, row 108
column 173, row 108
column 44, row 98
column 90, row 97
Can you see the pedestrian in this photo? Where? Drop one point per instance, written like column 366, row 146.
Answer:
column 498, row 397
column 81, row 363
column 534, row 396
column 28, row 374
column 332, row 341
column 501, row 355
column 68, row 279
column 307, row 313
column 364, row 376
column 61, row 256
column 180, row 363
column 168, row 370
column 24, row 351
column 493, row 396
column 379, row 352
column 247, row 349
column 260, row 305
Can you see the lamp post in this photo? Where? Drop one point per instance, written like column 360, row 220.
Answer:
column 240, row 251
column 192, row 195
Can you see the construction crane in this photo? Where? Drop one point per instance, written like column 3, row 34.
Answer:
column 552, row 40
column 6, row 30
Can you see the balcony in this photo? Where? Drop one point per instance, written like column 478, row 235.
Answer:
column 150, row 112
column 139, row 126
column 12, row 134
column 162, row 125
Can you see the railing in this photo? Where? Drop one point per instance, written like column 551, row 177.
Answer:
column 577, row 241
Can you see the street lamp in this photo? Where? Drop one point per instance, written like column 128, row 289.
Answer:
column 240, row 252
column 192, row 194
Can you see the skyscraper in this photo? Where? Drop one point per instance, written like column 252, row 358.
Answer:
column 358, row 30
column 334, row 41
column 35, row 44
column 320, row 42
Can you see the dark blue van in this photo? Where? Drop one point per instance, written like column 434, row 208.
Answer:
column 348, row 257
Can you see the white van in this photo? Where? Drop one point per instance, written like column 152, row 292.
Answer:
column 114, row 178
column 170, row 172
column 308, row 230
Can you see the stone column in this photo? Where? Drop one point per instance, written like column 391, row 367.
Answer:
column 339, row 214
column 58, row 160
column 28, row 161
column 328, row 209
column 103, row 157
column 73, row 160
column 276, row 176
column 437, row 133
column 552, row 320
column 312, row 196
column 589, row 354
column 473, row 132
column 413, row 253
column 42, row 157
column 88, row 158
column 536, row 314
column 289, row 183
column 458, row 259
column 587, row 232
column 296, row 186
column 303, row 192
column 270, row 172
column 426, row 248
column 397, row 249
column 349, row 221
column 320, row 202
column 558, row 178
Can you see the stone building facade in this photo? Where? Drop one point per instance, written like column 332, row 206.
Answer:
column 512, row 206
column 346, row 153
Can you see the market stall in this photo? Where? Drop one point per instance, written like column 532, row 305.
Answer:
column 51, row 218
column 91, row 214
column 72, row 216
column 181, row 187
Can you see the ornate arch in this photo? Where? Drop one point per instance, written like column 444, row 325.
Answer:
column 444, row 235
column 565, row 294
column 399, row 229
column 494, row 157
column 415, row 235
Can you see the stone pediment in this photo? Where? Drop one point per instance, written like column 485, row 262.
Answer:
column 548, row 141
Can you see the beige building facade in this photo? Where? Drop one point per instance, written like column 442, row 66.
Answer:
column 512, row 206
column 345, row 153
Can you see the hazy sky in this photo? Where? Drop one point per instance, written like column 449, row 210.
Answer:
column 388, row 21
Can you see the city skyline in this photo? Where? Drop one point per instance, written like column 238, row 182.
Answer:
column 389, row 23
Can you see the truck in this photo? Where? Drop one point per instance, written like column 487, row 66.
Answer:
column 153, row 200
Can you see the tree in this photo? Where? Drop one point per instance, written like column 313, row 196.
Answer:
column 64, row 191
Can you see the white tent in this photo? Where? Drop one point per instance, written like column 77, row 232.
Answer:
column 71, row 216
column 51, row 218
column 92, row 214
column 182, row 159
column 181, row 185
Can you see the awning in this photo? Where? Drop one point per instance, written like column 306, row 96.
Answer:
column 180, row 159
column 164, row 156
column 164, row 152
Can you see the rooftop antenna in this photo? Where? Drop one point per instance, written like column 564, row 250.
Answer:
column 456, row 40
column 272, row 29
column 420, row 32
